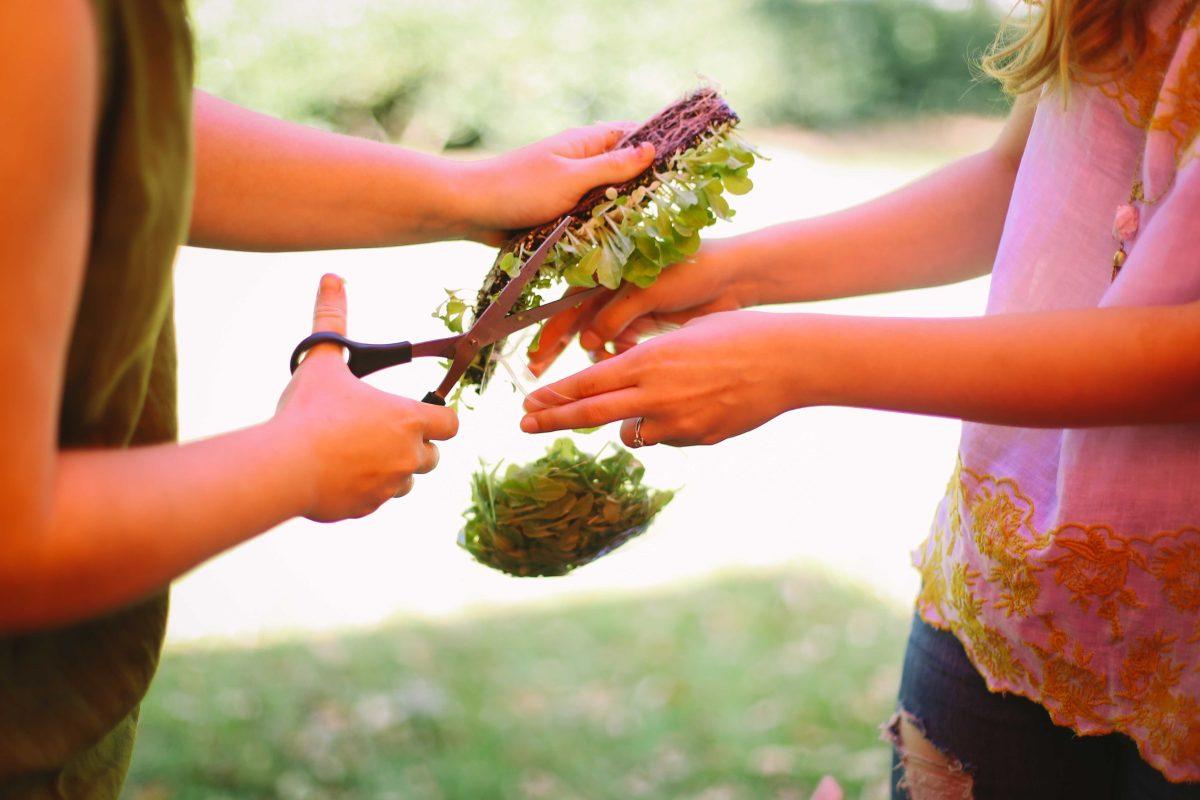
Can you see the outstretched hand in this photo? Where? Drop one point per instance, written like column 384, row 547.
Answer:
column 710, row 282
column 717, row 377
column 544, row 180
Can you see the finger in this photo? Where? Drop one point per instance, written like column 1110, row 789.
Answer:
column 596, row 139
column 329, row 314
column 559, row 330
column 404, row 486
column 429, row 458
column 626, row 341
column 556, row 329
column 600, row 379
column 629, row 432
column 616, row 166
column 650, row 323
column 588, row 413
column 627, row 305
column 438, row 423
column 828, row 789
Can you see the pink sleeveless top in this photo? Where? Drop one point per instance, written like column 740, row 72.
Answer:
column 1068, row 561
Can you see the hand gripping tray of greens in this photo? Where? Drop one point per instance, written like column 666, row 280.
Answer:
column 569, row 508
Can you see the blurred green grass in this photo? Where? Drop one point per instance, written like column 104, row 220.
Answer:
column 494, row 73
column 747, row 686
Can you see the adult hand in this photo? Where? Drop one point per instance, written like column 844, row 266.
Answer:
column 710, row 282
column 717, row 377
column 363, row 445
column 541, row 181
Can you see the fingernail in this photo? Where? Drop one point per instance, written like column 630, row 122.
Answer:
column 529, row 424
column 645, row 149
column 331, row 282
column 590, row 341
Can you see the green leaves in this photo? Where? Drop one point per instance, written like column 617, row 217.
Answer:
column 608, row 269
column 633, row 237
column 627, row 237
column 558, row 513
column 580, row 272
column 738, row 183
column 452, row 311
column 509, row 265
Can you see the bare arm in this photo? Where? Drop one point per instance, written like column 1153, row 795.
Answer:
column 266, row 184
column 729, row 373
column 1134, row 360
column 941, row 229
column 82, row 532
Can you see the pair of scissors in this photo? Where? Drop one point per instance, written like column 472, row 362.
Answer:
column 494, row 324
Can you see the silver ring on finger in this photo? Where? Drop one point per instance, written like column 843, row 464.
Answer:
column 638, row 441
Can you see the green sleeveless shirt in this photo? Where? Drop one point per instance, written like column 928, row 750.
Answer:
column 69, row 697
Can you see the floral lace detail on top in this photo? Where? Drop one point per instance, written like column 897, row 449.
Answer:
column 1160, row 94
column 1132, row 669
column 1068, row 561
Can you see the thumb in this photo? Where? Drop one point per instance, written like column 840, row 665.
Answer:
column 617, row 166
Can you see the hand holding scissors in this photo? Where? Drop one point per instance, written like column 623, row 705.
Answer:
column 494, row 324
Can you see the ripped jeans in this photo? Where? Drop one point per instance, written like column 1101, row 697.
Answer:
column 953, row 739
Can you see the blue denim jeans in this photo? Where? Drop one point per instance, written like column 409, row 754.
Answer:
column 1003, row 746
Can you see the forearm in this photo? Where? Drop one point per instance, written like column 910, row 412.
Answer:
column 1079, row 368
column 266, row 184
column 121, row 524
column 942, row 229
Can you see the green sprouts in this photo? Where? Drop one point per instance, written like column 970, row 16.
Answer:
column 559, row 512
column 634, row 236
column 629, row 235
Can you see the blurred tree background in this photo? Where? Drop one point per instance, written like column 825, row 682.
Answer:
column 496, row 73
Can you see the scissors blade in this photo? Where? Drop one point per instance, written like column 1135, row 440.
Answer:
column 505, row 327
column 458, row 367
column 523, row 319
column 438, row 348
column 507, row 298
column 467, row 346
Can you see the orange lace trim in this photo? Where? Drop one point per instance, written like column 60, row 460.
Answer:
column 1144, row 99
column 1143, row 697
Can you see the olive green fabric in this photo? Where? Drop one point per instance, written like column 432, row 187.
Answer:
column 69, row 697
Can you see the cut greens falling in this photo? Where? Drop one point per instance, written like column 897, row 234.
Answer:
column 558, row 513
column 624, row 233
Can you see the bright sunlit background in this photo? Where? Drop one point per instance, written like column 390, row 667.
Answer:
column 745, row 645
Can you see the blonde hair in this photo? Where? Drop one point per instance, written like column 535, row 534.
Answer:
column 1058, row 41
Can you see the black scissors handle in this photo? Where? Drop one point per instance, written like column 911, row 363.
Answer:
column 364, row 358
column 367, row 358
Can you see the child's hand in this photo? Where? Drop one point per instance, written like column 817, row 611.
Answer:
column 708, row 283
column 541, row 181
column 363, row 446
column 716, row 377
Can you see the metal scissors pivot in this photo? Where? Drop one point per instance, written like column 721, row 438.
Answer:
column 494, row 324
